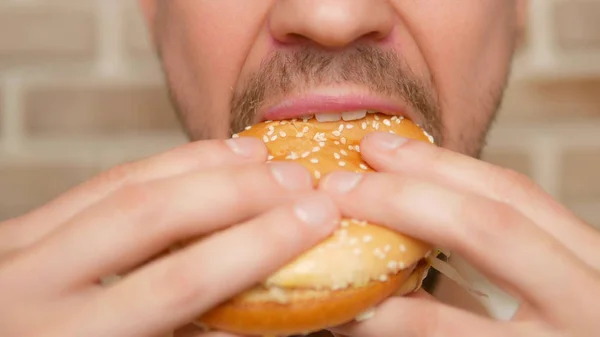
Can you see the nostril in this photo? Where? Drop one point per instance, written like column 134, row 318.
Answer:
column 295, row 38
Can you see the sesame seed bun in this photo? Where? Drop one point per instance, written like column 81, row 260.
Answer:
column 349, row 273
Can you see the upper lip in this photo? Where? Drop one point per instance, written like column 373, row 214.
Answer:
column 315, row 103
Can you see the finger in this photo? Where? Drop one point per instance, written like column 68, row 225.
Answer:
column 20, row 232
column 492, row 236
column 143, row 220
column 464, row 173
column 172, row 291
column 420, row 316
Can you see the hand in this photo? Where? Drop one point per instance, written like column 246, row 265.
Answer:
column 497, row 220
column 51, row 259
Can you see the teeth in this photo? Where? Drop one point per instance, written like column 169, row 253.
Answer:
column 354, row 115
column 329, row 117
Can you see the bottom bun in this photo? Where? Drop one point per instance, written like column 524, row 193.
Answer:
column 284, row 312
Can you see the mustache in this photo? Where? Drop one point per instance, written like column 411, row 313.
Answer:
column 381, row 71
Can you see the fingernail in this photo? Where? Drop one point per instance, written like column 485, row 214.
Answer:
column 315, row 211
column 342, row 182
column 290, row 175
column 386, row 141
column 244, row 146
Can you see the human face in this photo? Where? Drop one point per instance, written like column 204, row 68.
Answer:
column 230, row 63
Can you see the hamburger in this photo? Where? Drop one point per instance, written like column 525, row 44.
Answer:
column 347, row 275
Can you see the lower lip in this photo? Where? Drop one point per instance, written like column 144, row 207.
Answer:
column 307, row 106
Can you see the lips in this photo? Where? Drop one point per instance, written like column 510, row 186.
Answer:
column 326, row 108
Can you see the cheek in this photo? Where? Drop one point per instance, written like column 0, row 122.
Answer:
column 467, row 46
column 204, row 50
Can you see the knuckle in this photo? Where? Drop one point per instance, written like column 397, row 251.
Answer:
column 138, row 201
column 177, row 287
column 253, row 181
column 117, row 175
column 509, row 182
column 485, row 220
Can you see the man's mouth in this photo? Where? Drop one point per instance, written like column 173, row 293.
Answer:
column 326, row 108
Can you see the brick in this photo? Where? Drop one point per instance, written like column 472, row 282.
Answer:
column 46, row 33
column 577, row 25
column 511, row 159
column 102, row 110
column 580, row 173
column 554, row 100
column 25, row 187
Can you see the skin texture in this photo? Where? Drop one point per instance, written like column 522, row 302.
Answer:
column 227, row 62
column 456, row 55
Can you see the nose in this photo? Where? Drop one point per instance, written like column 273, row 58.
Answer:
column 330, row 23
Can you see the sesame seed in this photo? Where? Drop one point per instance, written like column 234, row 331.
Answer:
column 336, row 155
column 265, row 139
column 314, row 160
column 376, row 117
column 343, row 140
column 336, row 142
column 387, row 122
column 363, row 125
column 336, row 133
column 299, row 135
column 322, row 144
column 292, row 155
column 305, row 154
column 273, row 138
column 305, row 129
column 367, row 238
column 235, row 136
column 343, row 152
column 383, row 278
column 316, row 149
column 282, row 134
column 345, row 223
column 248, row 127
column 401, row 265
column 341, row 163
column 270, row 157
column 387, row 248
column 357, row 148
column 392, row 265
column 363, row 166
column 353, row 241
column 402, row 248
column 341, row 128
column 349, row 126
column 317, row 174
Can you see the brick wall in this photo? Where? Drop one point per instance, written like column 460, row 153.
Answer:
column 80, row 92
